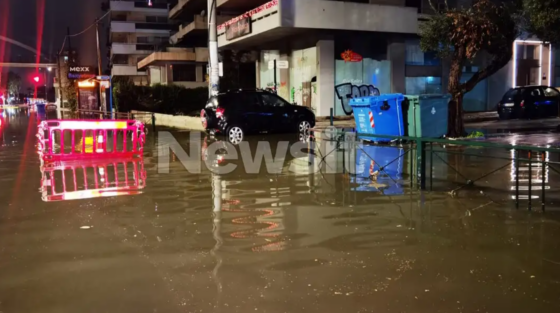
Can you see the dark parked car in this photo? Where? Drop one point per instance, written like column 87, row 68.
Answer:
column 241, row 112
column 529, row 102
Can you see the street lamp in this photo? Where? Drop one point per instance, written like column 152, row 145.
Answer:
column 49, row 69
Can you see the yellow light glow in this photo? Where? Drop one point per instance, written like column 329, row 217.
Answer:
column 86, row 84
column 92, row 124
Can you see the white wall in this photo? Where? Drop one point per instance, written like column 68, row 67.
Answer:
column 177, row 121
column 349, row 16
column 325, row 77
column 303, row 67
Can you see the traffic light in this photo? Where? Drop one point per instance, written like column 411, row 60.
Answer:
column 36, row 79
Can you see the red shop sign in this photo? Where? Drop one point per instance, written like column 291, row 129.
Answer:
column 351, row 56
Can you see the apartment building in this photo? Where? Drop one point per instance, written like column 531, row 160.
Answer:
column 326, row 51
column 184, row 62
column 329, row 51
column 137, row 29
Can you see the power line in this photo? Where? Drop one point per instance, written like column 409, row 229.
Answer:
column 82, row 32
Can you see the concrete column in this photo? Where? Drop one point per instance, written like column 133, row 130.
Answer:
column 325, row 77
column 258, row 71
column 169, row 72
column 396, row 53
column 199, row 75
column 284, row 78
column 545, row 66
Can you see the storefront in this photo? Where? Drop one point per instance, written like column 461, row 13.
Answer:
column 323, row 59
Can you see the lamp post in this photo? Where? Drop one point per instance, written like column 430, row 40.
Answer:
column 213, row 48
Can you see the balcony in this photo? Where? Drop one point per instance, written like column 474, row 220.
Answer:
column 186, row 8
column 198, row 27
column 139, row 6
column 126, row 70
column 278, row 19
column 175, row 56
column 131, row 48
column 239, row 4
column 138, row 27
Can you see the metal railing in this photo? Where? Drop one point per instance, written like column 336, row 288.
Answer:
column 426, row 155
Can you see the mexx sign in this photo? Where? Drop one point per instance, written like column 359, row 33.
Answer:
column 80, row 69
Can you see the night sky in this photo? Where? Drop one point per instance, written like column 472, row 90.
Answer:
column 19, row 20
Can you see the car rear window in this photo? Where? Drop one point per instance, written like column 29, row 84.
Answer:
column 512, row 93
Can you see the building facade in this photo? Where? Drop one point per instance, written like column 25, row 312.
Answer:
column 184, row 63
column 136, row 29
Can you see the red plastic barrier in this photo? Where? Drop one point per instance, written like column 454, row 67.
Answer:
column 93, row 178
column 79, row 139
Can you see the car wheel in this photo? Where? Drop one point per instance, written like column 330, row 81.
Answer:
column 235, row 134
column 502, row 116
column 304, row 126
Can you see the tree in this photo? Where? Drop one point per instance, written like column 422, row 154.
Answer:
column 14, row 83
column 461, row 34
column 543, row 19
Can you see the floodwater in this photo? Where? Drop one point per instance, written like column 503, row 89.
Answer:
column 288, row 242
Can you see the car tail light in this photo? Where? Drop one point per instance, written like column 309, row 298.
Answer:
column 522, row 103
column 219, row 112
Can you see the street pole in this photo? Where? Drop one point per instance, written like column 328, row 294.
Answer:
column 60, row 82
column 98, row 47
column 213, row 48
column 99, row 69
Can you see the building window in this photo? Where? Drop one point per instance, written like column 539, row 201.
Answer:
column 415, row 55
column 151, row 40
column 156, row 19
column 184, row 73
column 423, row 85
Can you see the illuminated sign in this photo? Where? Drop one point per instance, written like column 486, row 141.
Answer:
column 351, row 56
column 86, row 84
column 239, row 28
column 80, row 69
column 249, row 14
column 81, row 72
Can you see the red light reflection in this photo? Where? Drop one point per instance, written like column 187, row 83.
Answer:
column 94, row 178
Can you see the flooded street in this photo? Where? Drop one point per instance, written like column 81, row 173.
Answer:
column 297, row 241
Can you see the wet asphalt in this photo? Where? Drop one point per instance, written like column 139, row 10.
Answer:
column 288, row 242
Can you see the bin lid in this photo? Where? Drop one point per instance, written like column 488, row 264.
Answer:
column 435, row 96
column 390, row 96
column 362, row 101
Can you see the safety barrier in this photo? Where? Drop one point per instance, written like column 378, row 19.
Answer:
column 79, row 139
column 93, row 178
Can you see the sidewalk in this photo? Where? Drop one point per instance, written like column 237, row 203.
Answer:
column 477, row 117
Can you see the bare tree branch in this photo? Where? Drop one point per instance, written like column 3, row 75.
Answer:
column 433, row 7
column 495, row 65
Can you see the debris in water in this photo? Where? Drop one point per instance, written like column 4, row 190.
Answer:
column 86, row 227
column 158, row 239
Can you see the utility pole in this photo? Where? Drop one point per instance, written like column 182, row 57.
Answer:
column 69, row 41
column 98, row 48
column 60, row 82
column 100, row 70
column 213, row 48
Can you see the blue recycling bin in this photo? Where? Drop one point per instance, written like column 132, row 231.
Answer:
column 369, row 159
column 378, row 115
column 40, row 109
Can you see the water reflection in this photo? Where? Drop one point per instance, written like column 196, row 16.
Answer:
column 92, row 178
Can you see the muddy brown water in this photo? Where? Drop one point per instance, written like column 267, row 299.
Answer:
column 289, row 242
